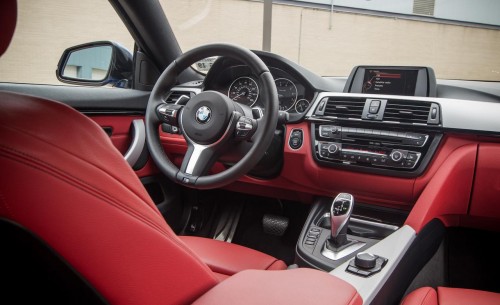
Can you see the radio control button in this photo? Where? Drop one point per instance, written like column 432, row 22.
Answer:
column 411, row 156
column 396, row 156
column 409, row 164
column 333, row 148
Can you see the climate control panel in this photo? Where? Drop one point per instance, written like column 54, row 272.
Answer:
column 397, row 158
column 398, row 151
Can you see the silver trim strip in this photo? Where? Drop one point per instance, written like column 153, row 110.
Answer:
column 354, row 219
column 186, row 89
column 355, row 246
column 138, row 142
column 455, row 113
column 375, row 224
column 393, row 247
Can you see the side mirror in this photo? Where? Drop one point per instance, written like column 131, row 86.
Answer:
column 96, row 64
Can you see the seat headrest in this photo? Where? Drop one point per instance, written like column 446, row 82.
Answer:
column 8, row 18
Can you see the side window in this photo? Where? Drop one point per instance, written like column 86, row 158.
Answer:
column 46, row 28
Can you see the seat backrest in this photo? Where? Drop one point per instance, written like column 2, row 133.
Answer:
column 63, row 180
column 64, row 184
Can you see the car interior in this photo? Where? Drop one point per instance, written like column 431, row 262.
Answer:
column 259, row 182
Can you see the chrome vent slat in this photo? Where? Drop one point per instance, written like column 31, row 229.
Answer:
column 345, row 109
column 407, row 112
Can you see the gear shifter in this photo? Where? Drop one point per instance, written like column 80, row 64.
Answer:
column 340, row 212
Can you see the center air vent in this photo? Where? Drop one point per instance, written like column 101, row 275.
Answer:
column 410, row 112
column 344, row 108
column 174, row 96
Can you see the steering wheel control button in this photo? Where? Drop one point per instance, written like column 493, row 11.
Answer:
column 245, row 127
column 203, row 115
column 366, row 264
column 168, row 113
column 296, row 139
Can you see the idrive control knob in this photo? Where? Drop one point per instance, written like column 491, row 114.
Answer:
column 365, row 260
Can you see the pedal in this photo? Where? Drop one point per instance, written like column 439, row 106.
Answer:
column 274, row 224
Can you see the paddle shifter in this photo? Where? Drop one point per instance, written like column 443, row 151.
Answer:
column 340, row 212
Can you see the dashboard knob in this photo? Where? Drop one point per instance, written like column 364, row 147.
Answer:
column 365, row 260
column 396, row 156
column 333, row 148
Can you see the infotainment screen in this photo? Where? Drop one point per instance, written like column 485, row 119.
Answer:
column 384, row 81
column 392, row 80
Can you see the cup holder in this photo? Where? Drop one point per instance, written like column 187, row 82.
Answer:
column 360, row 227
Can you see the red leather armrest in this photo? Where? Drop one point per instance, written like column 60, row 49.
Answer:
column 295, row 286
column 451, row 296
column 227, row 258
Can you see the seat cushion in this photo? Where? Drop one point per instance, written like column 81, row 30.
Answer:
column 226, row 259
column 451, row 296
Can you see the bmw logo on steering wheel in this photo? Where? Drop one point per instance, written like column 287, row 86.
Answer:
column 203, row 115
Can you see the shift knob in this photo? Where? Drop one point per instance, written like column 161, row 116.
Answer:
column 340, row 212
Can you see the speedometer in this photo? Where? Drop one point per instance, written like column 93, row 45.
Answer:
column 287, row 93
column 244, row 90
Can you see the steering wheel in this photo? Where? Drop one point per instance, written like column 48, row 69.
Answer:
column 211, row 122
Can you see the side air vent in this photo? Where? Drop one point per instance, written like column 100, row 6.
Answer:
column 344, row 108
column 409, row 112
column 174, row 96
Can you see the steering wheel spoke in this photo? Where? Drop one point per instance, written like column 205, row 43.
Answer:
column 198, row 159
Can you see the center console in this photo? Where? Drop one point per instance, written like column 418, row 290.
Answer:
column 386, row 122
column 333, row 234
column 383, row 123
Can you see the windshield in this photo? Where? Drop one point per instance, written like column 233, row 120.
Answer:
column 458, row 39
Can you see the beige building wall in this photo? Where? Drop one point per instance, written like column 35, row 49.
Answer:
column 328, row 44
column 332, row 44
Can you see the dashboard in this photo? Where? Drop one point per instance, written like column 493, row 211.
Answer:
column 382, row 133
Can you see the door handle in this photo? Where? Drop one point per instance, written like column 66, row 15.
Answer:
column 137, row 148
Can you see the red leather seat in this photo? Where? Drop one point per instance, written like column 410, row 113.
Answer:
column 226, row 259
column 451, row 296
column 63, row 180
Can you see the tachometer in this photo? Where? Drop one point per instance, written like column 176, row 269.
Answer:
column 287, row 93
column 244, row 90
